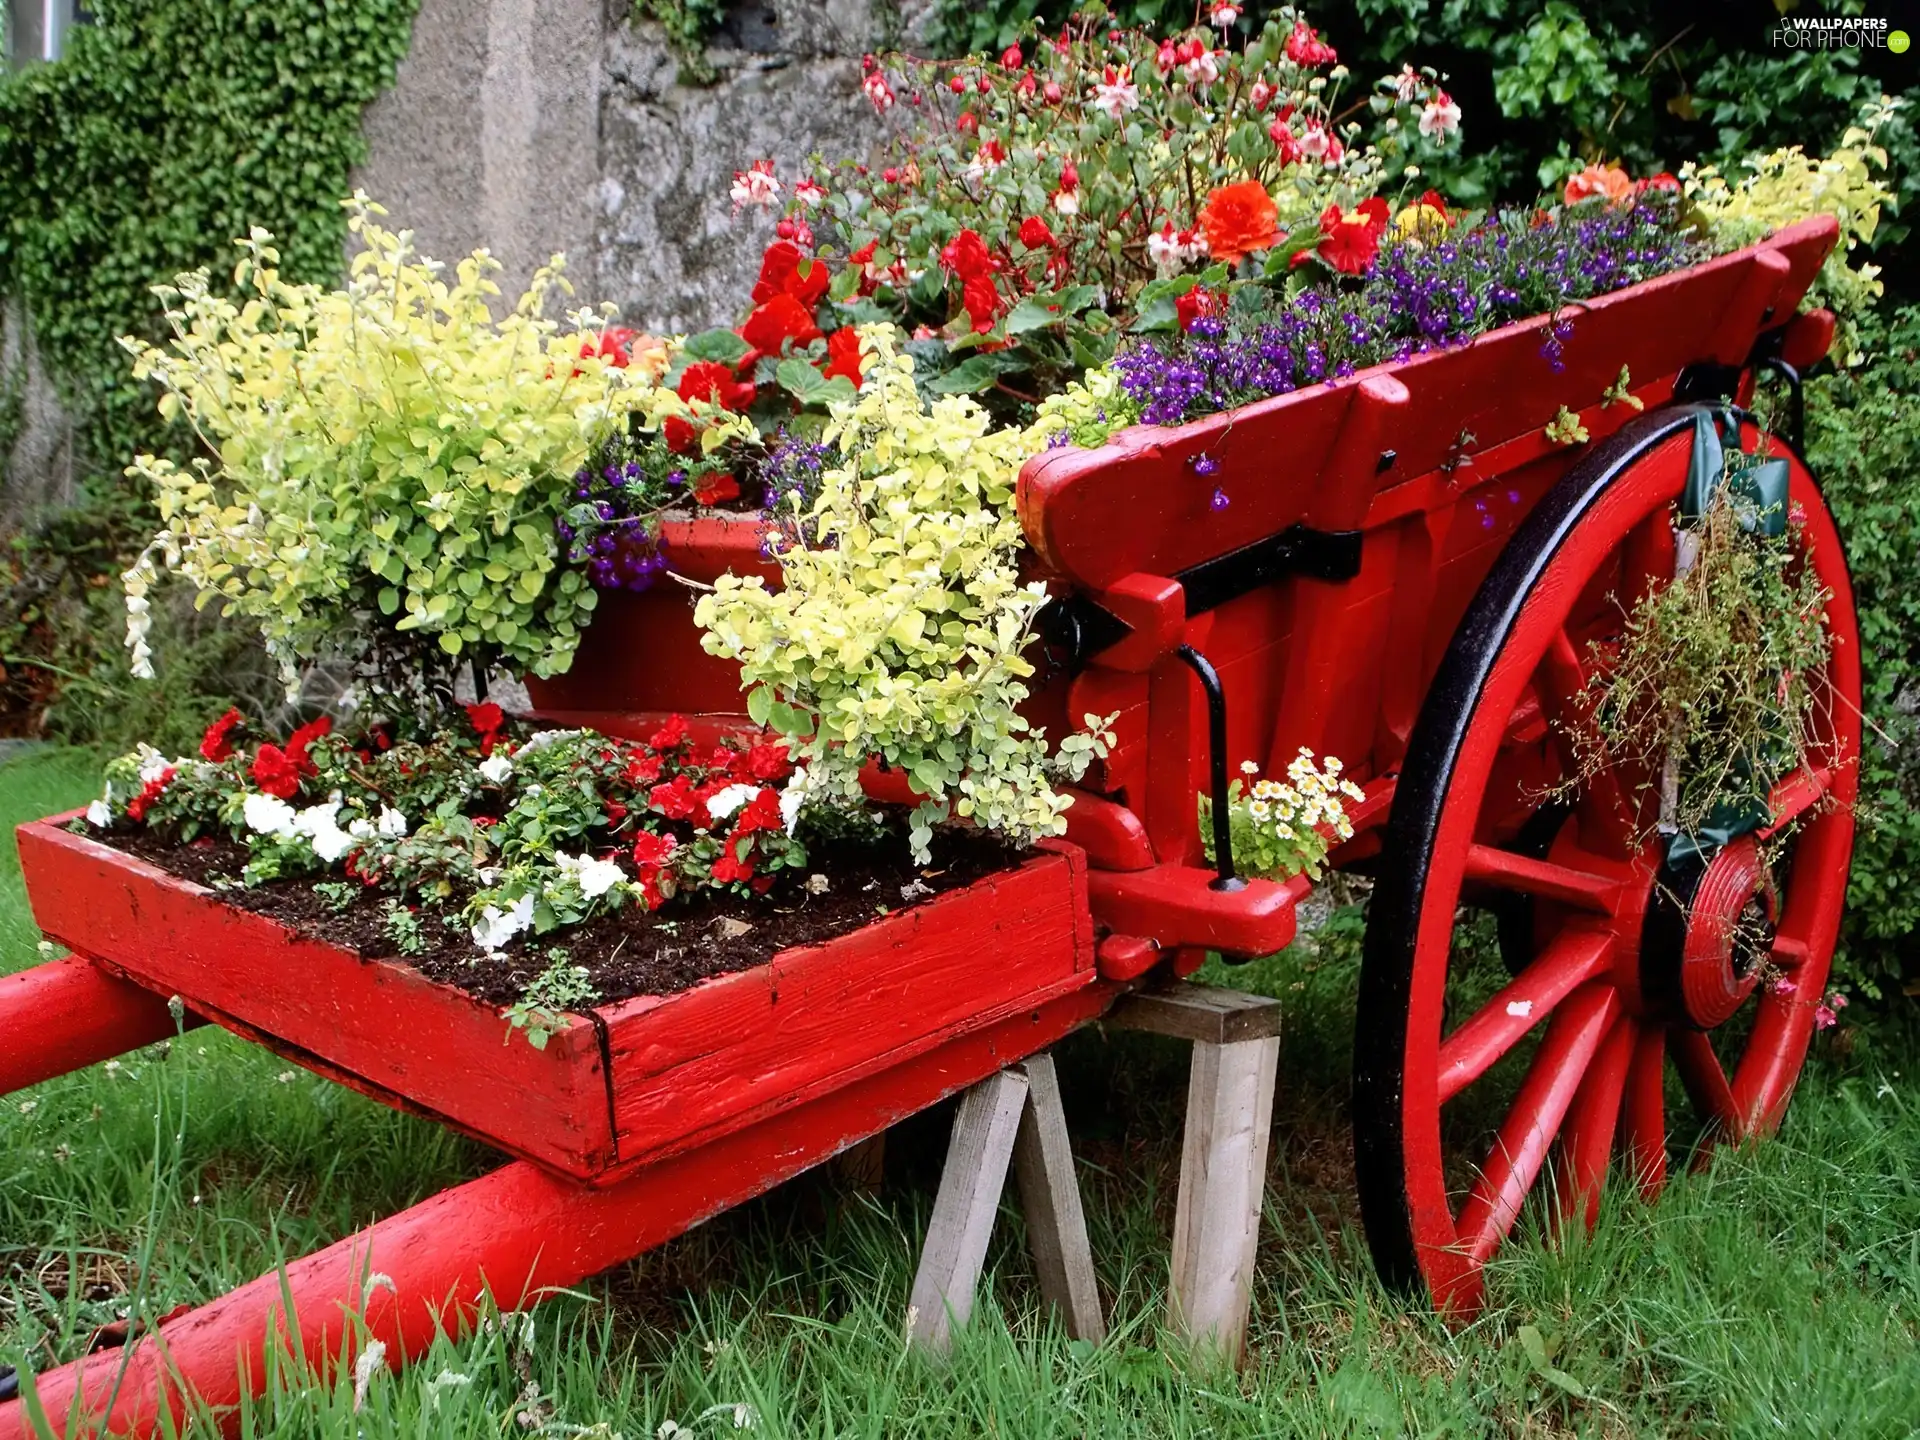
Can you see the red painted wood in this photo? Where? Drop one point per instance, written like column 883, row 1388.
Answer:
column 376, row 1019
column 1134, row 504
column 518, row 1232
column 1507, row 871
column 68, row 1014
column 741, row 1046
column 1573, row 958
column 1177, row 905
column 687, row 1066
column 642, row 652
column 1559, row 1065
column 1586, row 1135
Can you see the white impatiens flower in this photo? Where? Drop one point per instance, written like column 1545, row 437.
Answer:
column 100, row 814
column 153, row 765
column 269, row 815
column 495, row 768
column 722, row 805
column 541, row 739
column 793, row 797
column 392, row 823
column 595, row 877
column 321, row 825
column 496, row 928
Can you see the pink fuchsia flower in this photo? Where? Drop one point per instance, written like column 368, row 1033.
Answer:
column 1406, row 85
column 1285, row 141
column 1224, row 15
column 1198, row 64
column 755, row 186
column 1115, row 94
column 1173, row 250
column 1166, row 57
column 1011, row 58
column 1315, row 141
column 1260, row 96
column 876, row 89
column 1305, row 47
column 1052, row 93
column 1440, row 117
column 809, row 191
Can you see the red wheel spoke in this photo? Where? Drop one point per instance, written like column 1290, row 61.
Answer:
column 1526, row 724
column 1586, row 1137
column 1643, row 1112
column 1573, row 958
column 1649, row 555
column 1794, row 796
column 1562, row 684
column 1558, row 1068
column 1706, row 1082
column 1569, row 886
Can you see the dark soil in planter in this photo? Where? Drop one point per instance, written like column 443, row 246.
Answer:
column 626, row 953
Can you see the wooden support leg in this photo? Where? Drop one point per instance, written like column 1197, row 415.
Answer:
column 1223, row 1160
column 1050, row 1198
column 976, row 1171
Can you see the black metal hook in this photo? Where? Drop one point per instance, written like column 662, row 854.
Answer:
column 1217, row 758
column 1796, row 401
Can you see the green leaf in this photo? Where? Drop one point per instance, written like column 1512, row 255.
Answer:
column 976, row 373
column 721, row 346
column 1038, row 311
column 759, row 704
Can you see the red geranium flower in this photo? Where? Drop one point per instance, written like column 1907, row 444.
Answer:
column 781, row 274
column 1598, row 182
column 1663, row 182
column 1352, row 239
column 670, row 735
column 713, row 382
column 643, row 769
column 680, row 435
column 967, row 256
column 981, row 301
column 676, row 799
column 761, row 813
column 217, row 744
column 1239, row 219
column 843, row 355
column 150, row 792
column 298, row 742
column 652, row 850
column 486, row 720
column 726, row 869
column 767, row 760
column 275, row 772
column 1035, row 235
column 779, row 321
column 1196, row 303
column 716, row 488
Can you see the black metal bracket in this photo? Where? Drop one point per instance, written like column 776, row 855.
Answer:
column 1076, row 628
column 1796, row 401
column 1226, row 880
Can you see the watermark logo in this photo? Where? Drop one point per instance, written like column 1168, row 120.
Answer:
column 1839, row 32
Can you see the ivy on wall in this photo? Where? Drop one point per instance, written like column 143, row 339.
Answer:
column 169, row 128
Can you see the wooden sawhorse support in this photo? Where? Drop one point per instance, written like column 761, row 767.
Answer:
column 1016, row 1117
column 1223, row 1158
column 1012, row 1117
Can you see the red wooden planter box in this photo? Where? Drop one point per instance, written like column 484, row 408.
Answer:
column 644, row 1078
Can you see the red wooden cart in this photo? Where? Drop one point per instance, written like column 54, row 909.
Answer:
column 1408, row 575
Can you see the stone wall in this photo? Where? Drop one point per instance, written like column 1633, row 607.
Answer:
column 563, row 125
column 535, row 126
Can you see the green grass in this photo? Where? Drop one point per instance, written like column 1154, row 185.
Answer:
column 1775, row 1293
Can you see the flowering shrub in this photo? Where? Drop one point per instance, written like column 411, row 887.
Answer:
column 1789, row 185
column 898, row 631
column 1284, row 828
column 385, row 461
column 1027, row 209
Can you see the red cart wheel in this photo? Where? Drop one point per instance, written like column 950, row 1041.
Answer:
column 1463, row 1099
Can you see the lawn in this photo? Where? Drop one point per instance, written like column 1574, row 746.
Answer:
column 1776, row 1291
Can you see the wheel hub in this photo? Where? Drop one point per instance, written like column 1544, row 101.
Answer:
column 1707, row 930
